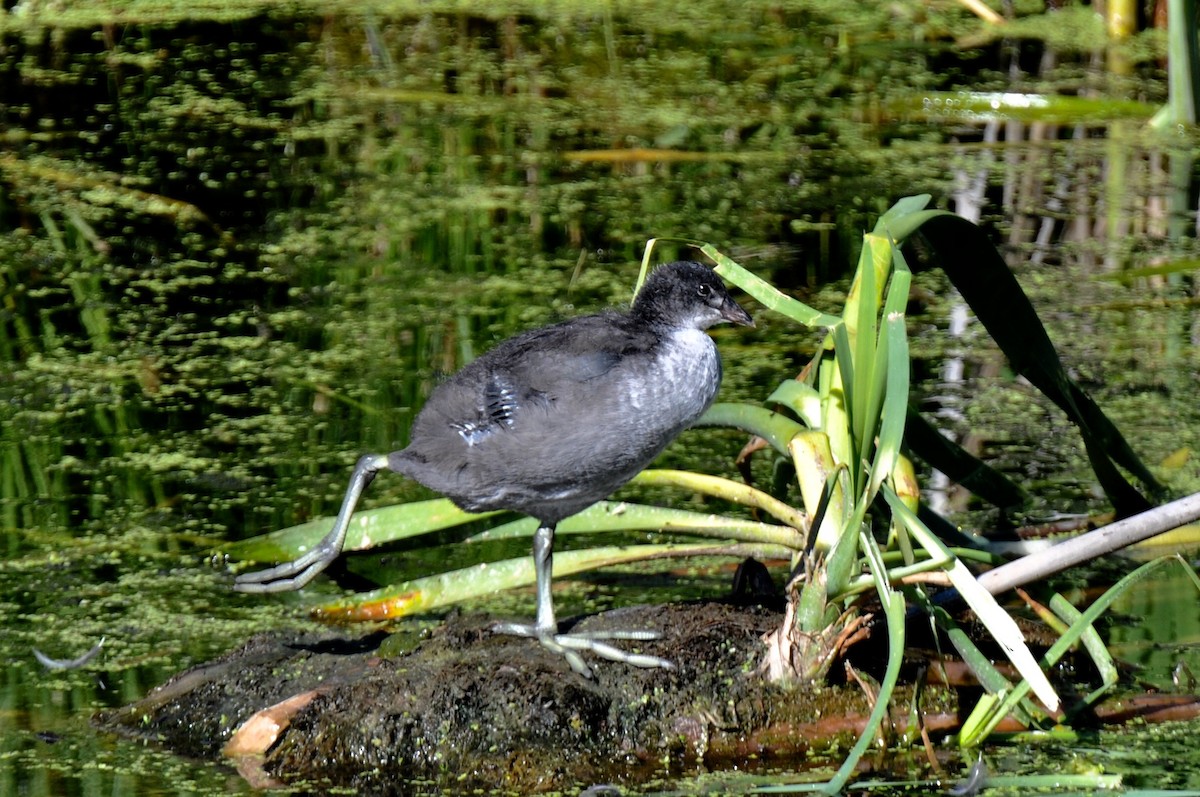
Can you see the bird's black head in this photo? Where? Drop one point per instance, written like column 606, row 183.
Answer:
column 687, row 294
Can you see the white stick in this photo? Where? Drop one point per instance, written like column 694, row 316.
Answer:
column 1102, row 541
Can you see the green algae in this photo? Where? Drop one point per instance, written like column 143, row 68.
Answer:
column 241, row 241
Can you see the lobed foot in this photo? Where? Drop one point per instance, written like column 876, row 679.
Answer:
column 297, row 573
column 289, row 575
column 570, row 645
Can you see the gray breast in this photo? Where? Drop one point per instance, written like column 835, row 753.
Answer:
column 689, row 374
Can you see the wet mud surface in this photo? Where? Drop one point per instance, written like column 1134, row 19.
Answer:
column 489, row 711
column 467, row 709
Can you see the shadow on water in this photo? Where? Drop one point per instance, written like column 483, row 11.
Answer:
column 237, row 251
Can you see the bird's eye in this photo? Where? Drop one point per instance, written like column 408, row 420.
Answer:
column 703, row 291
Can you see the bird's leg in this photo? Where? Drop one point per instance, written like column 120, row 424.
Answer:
column 543, row 568
column 297, row 573
column 545, row 627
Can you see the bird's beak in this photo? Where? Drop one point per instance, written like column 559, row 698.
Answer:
column 732, row 312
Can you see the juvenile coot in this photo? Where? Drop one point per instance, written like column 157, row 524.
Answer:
column 550, row 422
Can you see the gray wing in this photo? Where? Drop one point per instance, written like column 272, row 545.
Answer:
column 525, row 380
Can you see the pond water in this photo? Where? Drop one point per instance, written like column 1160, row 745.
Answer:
column 240, row 242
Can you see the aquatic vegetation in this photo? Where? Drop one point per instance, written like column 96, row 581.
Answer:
column 841, row 433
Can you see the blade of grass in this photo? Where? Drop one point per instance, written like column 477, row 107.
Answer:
column 1077, row 629
column 998, row 622
column 862, row 319
column 608, row 516
column 767, row 294
column 903, row 208
column 960, row 466
column 895, row 401
column 843, row 559
column 816, row 472
column 444, row 589
column 839, row 420
column 990, row 288
column 776, row 428
column 800, row 398
column 728, row 489
column 368, row 528
column 1093, row 644
column 894, row 612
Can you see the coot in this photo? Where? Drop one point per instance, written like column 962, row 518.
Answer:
column 551, row 421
